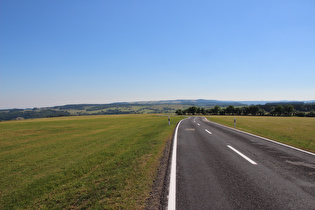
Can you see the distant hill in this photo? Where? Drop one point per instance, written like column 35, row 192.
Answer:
column 204, row 102
column 274, row 102
column 198, row 102
column 139, row 107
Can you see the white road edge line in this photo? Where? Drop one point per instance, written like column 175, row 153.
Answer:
column 275, row 142
column 242, row 155
column 172, row 189
column 208, row 131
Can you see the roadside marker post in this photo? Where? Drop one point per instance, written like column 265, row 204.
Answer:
column 234, row 122
column 169, row 120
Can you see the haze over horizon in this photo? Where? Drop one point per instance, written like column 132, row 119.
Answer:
column 82, row 52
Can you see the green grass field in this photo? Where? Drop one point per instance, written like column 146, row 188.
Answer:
column 81, row 162
column 294, row 131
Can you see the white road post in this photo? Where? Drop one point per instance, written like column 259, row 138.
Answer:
column 234, row 122
column 169, row 120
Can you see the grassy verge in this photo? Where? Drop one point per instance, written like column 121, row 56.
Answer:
column 81, row 162
column 294, row 131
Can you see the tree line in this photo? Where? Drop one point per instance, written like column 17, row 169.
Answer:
column 253, row 110
column 29, row 114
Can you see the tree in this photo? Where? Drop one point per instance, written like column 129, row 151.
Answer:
column 216, row 110
column 272, row 110
column 179, row 112
column 222, row 112
column 310, row 114
column 262, row 112
column 279, row 110
column 288, row 110
column 246, row 110
column 230, row 110
column 253, row 110
column 300, row 114
column 238, row 111
column 192, row 110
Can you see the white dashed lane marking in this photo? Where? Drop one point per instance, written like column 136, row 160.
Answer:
column 208, row 131
column 242, row 155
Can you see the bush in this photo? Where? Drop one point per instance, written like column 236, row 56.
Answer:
column 300, row 114
column 310, row 114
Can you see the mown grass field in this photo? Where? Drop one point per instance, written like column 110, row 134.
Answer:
column 294, row 131
column 81, row 162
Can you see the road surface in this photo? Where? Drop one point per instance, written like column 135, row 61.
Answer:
column 220, row 168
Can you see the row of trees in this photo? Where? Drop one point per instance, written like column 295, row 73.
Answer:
column 28, row 114
column 254, row 110
column 298, row 106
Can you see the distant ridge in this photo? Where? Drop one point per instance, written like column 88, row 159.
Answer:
column 198, row 102
column 138, row 107
column 274, row 102
column 204, row 102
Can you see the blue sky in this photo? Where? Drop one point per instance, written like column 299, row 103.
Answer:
column 57, row 52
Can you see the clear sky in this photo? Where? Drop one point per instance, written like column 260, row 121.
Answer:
column 57, row 52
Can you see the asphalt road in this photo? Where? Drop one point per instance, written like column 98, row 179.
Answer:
column 220, row 168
